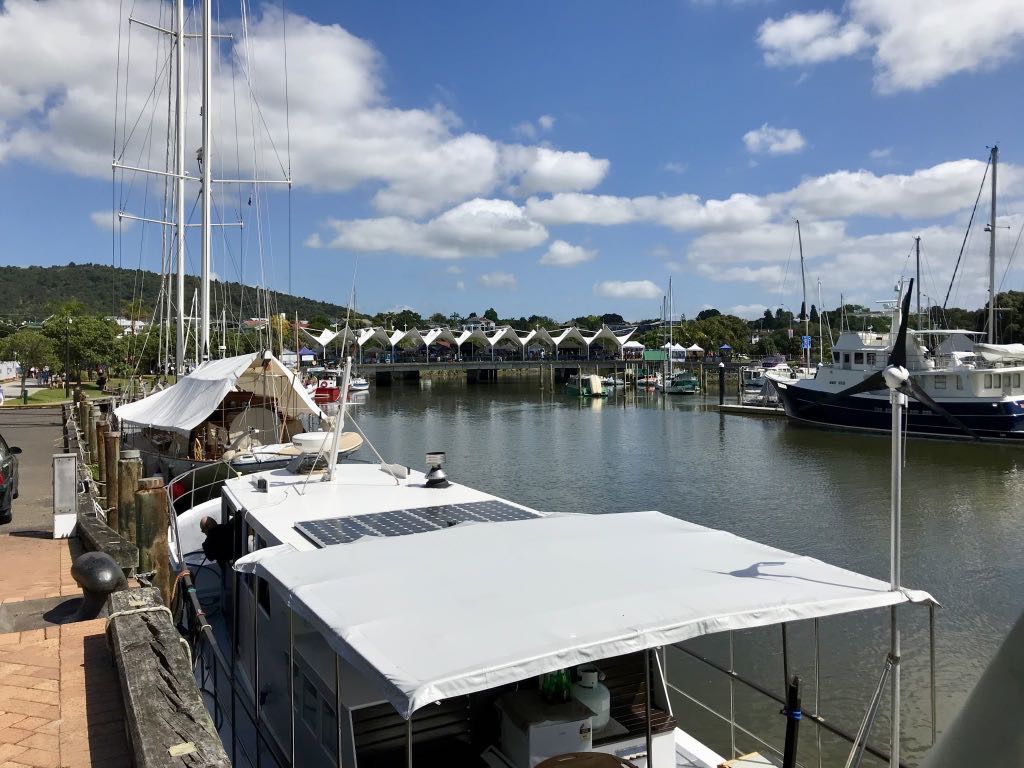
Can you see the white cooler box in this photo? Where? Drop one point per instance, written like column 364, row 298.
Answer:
column 532, row 731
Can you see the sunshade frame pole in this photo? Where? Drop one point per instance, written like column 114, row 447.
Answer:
column 256, row 663
column 898, row 402
column 817, row 682
column 648, row 735
column 291, row 681
column 408, row 742
column 785, row 658
column 340, row 422
column 337, row 701
column 732, row 697
column 931, row 665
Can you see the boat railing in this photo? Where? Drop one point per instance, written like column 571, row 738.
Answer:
column 234, row 714
column 823, row 725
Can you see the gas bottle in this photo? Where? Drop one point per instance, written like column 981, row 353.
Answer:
column 591, row 692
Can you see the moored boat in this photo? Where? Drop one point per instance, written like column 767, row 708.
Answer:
column 585, row 385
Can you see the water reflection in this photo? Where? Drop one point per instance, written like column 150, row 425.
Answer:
column 824, row 494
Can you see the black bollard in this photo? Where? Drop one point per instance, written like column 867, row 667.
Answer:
column 793, row 715
column 721, row 383
column 98, row 576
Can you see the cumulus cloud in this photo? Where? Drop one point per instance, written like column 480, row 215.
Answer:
column 675, row 167
column 500, row 280
column 59, row 110
column 773, row 141
column 108, row 220
column 880, row 153
column 529, row 130
column 562, row 254
column 477, row 227
column 914, row 43
column 680, row 212
column 748, row 311
column 627, row 289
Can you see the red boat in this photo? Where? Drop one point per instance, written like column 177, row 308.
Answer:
column 325, row 391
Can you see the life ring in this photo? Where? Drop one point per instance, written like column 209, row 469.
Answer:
column 323, row 383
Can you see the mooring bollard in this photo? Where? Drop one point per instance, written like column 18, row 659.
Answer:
column 151, row 520
column 721, row 383
column 129, row 470
column 111, row 455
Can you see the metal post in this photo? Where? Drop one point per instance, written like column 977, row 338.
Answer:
column 817, row 684
column 256, row 659
column 732, row 698
column 207, row 180
column 785, row 657
column 291, row 682
column 931, row 664
column 179, row 188
column 992, row 255
column 721, row 383
column 337, row 700
column 898, row 401
column 649, row 736
column 408, row 742
column 793, row 716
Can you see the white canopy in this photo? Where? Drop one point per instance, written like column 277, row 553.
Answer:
column 996, row 352
column 445, row 613
column 632, row 345
column 186, row 404
column 695, row 348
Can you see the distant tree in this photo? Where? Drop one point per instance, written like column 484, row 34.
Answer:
column 491, row 314
column 814, row 314
column 704, row 314
column 612, row 318
column 30, row 348
column 438, row 318
column 91, row 340
column 320, row 321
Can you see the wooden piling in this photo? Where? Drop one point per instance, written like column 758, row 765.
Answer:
column 129, row 470
column 92, row 415
column 100, row 433
column 151, row 521
column 111, row 455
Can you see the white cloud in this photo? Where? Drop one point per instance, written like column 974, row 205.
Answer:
column 914, row 43
column 108, row 220
column 681, row 212
column 562, row 254
column 460, row 285
column 59, row 109
column 475, row 228
column 545, row 122
column 748, row 311
column 809, row 38
column 499, row 280
column 675, row 167
column 528, row 130
column 881, row 153
column 774, row 141
column 627, row 289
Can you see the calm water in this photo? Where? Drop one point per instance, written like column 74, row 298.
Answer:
column 819, row 493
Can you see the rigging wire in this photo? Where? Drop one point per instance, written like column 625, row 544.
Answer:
column 967, row 234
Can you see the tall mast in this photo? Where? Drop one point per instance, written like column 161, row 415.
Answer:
column 821, row 333
column 992, row 255
column 179, row 184
column 917, row 248
column 803, row 305
column 207, row 179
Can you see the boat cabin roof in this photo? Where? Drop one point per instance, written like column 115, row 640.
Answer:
column 460, row 609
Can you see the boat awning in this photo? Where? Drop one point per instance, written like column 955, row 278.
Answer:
column 998, row 352
column 186, row 404
column 449, row 612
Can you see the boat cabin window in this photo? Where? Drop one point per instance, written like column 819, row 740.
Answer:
column 988, row 381
column 835, row 358
column 1016, row 380
column 997, row 380
column 959, row 382
column 846, row 359
column 940, row 382
column 872, row 358
column 858, row 358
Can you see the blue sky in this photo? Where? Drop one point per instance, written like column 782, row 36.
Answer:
column 551, row 157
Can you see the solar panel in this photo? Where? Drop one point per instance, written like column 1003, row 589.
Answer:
column 403, row 522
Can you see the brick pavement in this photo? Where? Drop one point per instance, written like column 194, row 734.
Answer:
column 60, row 700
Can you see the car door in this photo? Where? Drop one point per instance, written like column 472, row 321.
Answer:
column 7, row 471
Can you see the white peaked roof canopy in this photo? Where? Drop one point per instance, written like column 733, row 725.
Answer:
column 633, row 345
column 433, row 615
column 325, row 337
column 186, row 404
column 695, row 348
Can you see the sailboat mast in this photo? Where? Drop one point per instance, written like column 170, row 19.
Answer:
column 917, row 249
column 803, row 305
column 207, row 173
column 992, row 255
column 179, row 185
column 821, row 333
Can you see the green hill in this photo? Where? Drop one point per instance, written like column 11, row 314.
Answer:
column 31, row 293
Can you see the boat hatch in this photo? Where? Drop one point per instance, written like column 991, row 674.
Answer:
column 402, row 522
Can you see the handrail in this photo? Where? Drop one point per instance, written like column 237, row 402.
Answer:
column 814, row 717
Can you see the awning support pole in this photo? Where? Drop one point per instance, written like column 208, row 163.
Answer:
column 408, row 742
column 291, row 681
column 785, row 658
column 256, row 663
column 647, row 688
column 931, row 665
column 817, row 686
column 337, row 701
column 732, row 697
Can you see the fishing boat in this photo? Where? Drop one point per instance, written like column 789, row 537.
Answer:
column 680, row 383
column 585, row 385
column 357, row 576
column 358, row 384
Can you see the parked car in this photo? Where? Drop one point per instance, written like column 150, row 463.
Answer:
column 8, row 478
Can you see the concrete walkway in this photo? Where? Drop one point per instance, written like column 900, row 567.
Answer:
column 60, row 701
